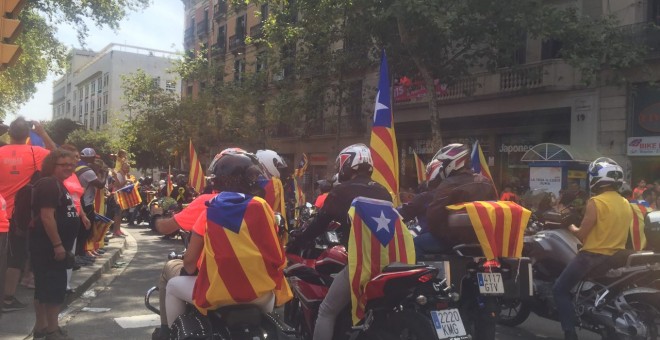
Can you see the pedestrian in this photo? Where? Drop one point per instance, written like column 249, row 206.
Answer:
column 19, row 163
column 639, row 189
column 86, row 175
column 55, row 228
column 509, row 195
column 122, row 179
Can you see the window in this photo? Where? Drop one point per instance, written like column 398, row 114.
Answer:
column 92, row 105
column 105, row 117
column 98, row 103
column 170, row 85
column 68, row 88
column 240, row 26
column 74, row 110
column 264, row 12
column 91, row 122
column 261, row 62
column 86, row 108
column 189, row 90
column 551, row 49
column 99, row 84
column 105, row 99
column 93, row 87
column 239, row 68
column 106, row 80
column 80, row 93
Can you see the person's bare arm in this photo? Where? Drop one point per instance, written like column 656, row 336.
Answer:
column 167, row 226
column 47, row 216
column 193, row 252
column 588, row 222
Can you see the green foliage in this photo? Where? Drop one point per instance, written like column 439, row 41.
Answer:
column 42, row 51
column 59, row 129
column 101, row 141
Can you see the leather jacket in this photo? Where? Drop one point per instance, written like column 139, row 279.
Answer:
column 336, row 207
column 459, row 188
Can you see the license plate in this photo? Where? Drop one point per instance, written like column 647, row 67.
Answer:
column 448, row 323
column 490, row 283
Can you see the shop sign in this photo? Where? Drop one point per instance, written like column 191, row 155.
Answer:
column 545, row 178
column 644, row 146
column 577, row 174
column 509, row 148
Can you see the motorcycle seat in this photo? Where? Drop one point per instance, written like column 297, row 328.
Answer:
column 619, row 259
column 401, row 267
column 248, row 314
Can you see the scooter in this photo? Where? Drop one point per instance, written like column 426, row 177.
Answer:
column 618, row 300
column 403, row 302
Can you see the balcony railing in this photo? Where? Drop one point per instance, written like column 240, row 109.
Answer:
column 189, row 35
column 220, row 11
column 256, row 31
column 646, row 34
column 203, row 27
column 236, row 42
column 219, row 49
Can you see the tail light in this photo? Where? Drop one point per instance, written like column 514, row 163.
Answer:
column 490, row 266
column 334, row 225
column 426, row 278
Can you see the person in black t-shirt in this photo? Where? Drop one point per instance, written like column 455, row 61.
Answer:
column 56, row 224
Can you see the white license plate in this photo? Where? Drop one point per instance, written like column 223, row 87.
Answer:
column 490, row 283
column 448, row 323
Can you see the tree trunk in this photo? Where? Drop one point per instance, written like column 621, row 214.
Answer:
column 427, row 77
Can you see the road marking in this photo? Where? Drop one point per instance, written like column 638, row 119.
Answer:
column 138, row 321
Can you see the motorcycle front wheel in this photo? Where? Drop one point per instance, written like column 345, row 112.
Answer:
column 514, row 312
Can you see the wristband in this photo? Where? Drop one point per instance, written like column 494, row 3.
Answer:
column 57, row 245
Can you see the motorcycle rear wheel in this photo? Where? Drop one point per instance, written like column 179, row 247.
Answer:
column 410, row 326
column 514, row 312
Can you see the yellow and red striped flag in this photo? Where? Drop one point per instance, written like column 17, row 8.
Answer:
column 383, row 145
column 302, row 166
column 637, row 226
column 128, row 196
column 169, row 184
column 421, row 169
column 99, row 201
column 196, row 178
column 377, row 238
column 500, row 226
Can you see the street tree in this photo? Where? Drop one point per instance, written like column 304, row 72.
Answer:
column 59, row 129
column 43, row 52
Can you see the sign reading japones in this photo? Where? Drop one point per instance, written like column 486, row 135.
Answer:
column 644, row 146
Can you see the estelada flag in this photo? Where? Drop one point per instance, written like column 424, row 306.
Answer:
column 128, row 196
column 35, row 140
column 479, row 164
column 421, row 169
column 100, row 226
column 274, row 196
column 383, row 144
column 377, row 238
column 99, row 201
column 637, row 226
column 242, row 258
column 196, row 178
column 499, row 225
column 302, row 166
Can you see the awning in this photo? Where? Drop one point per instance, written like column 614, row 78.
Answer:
column 550, row 152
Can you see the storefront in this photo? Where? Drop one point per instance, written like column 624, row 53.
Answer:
column 503, row 137
column 643, row 144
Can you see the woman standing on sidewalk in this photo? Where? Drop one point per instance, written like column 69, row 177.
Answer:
column 56, row 224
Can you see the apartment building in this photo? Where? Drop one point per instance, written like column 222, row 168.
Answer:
column 90, row 90
column 541, row 100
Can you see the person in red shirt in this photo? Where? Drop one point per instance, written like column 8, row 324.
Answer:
column 324, row 186
column 18, row 162
column 508, row 195
column 639, row 190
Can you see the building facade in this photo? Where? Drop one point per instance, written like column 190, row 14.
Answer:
column 90, row 92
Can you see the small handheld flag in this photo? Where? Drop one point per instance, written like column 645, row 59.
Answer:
column 128, row 196
column 479, row 164
column 35, row 140
column 383, row 144
column 170, row 186
column 421, row 169
column 196, row 178
column 302, row 166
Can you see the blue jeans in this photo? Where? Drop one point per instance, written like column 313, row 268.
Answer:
column 575, row 271
column 427, row 244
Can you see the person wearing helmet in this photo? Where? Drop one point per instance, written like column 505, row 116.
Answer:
column 417, row 206
column 224, row 233
column 603, row 231
column 185, row 219
column 354, row 167
column 274, row 168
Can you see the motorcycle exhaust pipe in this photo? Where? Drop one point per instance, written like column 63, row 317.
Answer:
column 624, row 325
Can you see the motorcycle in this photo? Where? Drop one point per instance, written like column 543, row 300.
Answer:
column 161, row 207
column 143, row 211
column 237, row 322
column 403, row 302
column 618, row 300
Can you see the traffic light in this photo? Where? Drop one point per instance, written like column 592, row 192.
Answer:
column 10, row 27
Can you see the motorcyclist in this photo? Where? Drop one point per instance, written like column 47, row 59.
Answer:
column 181, row 192
column 354, row 167
column 183, row 220
column 236, row 225
column 602, row 232
column 274, row 168
column 324, row 187
column 416, row 208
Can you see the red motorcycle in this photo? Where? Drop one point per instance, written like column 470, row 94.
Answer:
column 403, row 302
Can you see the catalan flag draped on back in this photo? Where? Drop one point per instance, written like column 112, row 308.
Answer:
column 383, row 140
column 242, row 257
column 378, row 237
column 421, row 169
column 196, row 178
column 637, row 235
column 274, row 196
column 499, row 225
column 128, row 196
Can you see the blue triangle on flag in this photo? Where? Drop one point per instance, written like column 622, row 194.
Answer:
column 227, row 210
column 379, row 216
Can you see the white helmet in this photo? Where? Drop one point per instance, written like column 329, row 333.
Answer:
column 453, row 158
column 605, row 172
column 271, row 162
column 351, row 159
column 433, row 170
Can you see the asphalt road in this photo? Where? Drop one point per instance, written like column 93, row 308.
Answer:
column 114, row 307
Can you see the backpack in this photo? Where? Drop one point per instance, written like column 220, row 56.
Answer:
column 21, row 218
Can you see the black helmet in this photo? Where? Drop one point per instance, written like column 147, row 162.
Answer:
column 148, row 180
column 181, row 180
column 324, row 185
column 236, row 172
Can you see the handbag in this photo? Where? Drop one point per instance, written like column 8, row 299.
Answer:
column 191, row 325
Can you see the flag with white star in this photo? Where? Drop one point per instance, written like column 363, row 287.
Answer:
column 383, row 144
column 378, row 237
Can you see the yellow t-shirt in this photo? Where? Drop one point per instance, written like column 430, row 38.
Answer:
column 612, row 224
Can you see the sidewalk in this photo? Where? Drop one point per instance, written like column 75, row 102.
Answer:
column 18, row 324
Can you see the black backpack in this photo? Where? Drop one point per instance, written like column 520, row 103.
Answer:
column 21, row 218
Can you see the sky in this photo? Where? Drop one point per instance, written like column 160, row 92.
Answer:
column 160, row 26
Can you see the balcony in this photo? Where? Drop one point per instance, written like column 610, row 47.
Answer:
column 220, row 11
column 550, row 75
column 189, row 35
column 256, row 31
column 219, row 49
column 237, row 43
column 203, row 28
column 646, row 34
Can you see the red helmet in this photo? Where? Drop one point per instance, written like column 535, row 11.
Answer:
column 453, row 157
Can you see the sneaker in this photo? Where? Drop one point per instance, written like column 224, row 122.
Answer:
column 13, row 305
column 59, row 334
